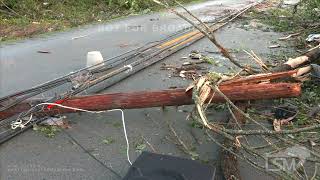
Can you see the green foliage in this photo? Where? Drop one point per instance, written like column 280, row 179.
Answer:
column 211, row 61
column 214, row 77
column 311, row 93
column 194, row 155
column 288, row 19
column 117, row 125
column 196, row 124
column 135, row 5
column 69, row 9
column 140, row 147
column 220, row 107
column 48, row 131
column 310, row 98
column 108, row 140
column 302, row 119
column 312, row 8
column 38, row 16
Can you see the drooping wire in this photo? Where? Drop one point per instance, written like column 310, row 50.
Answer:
column 90, row 154
column 23, row 125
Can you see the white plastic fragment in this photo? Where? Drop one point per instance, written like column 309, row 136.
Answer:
column 93, row 58
column 182, row 74
column 313, row 37
column 291, row 2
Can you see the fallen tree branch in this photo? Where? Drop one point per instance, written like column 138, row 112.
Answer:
column 271, row 132
column 229, row 163
column 311, row 57
column 283, row 174
column 253, row 79
column 11, row 10
column 235, row 154
column 231, row 138
column 263, row 66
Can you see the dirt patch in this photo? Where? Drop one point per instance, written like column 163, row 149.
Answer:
column 267, row 5
column 14, row 31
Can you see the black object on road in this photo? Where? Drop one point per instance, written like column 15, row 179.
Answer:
column 150, row 166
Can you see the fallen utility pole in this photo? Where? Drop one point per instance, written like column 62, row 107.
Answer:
column 173, row 97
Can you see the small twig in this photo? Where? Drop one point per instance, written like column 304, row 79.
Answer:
column 272, row 132
column 257, row 60
column 251, row 150
column 7, row 12
column 290, row 36
column 252, row 163
column 315, row 173
column 216, row 88
column 304, row 171
column 10, row 9
column 237, row 121
column 210, row 100
column 195, row 17
column 178, row 138
column 149, row 144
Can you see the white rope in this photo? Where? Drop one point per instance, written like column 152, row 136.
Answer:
column 20, row 124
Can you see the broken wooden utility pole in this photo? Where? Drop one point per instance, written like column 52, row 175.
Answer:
column 174, row 97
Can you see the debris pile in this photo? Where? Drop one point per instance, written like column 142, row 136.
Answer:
column 193, row 68
column 250, row 139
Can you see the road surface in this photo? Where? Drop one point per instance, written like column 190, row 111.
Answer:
column 34, row 156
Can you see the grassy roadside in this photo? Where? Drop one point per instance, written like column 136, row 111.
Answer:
column 27, row 18
column 302, row 19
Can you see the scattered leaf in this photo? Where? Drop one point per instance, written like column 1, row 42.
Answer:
column 117, row 125
column 194, row 155
column 108, row 140
column 140, row 147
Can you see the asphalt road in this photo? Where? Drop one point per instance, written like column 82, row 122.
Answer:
column 21, row 66
column 34, row 156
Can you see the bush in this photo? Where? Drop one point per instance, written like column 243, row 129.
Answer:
column 312, row 9
column 136, row 5
column 50, row 15
column 34, row 8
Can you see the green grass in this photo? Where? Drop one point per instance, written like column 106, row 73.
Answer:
column 288, row 19
column 310, row 98
column 48, row 131
column 24, row 18
column 108, row 140
column 304, row 20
